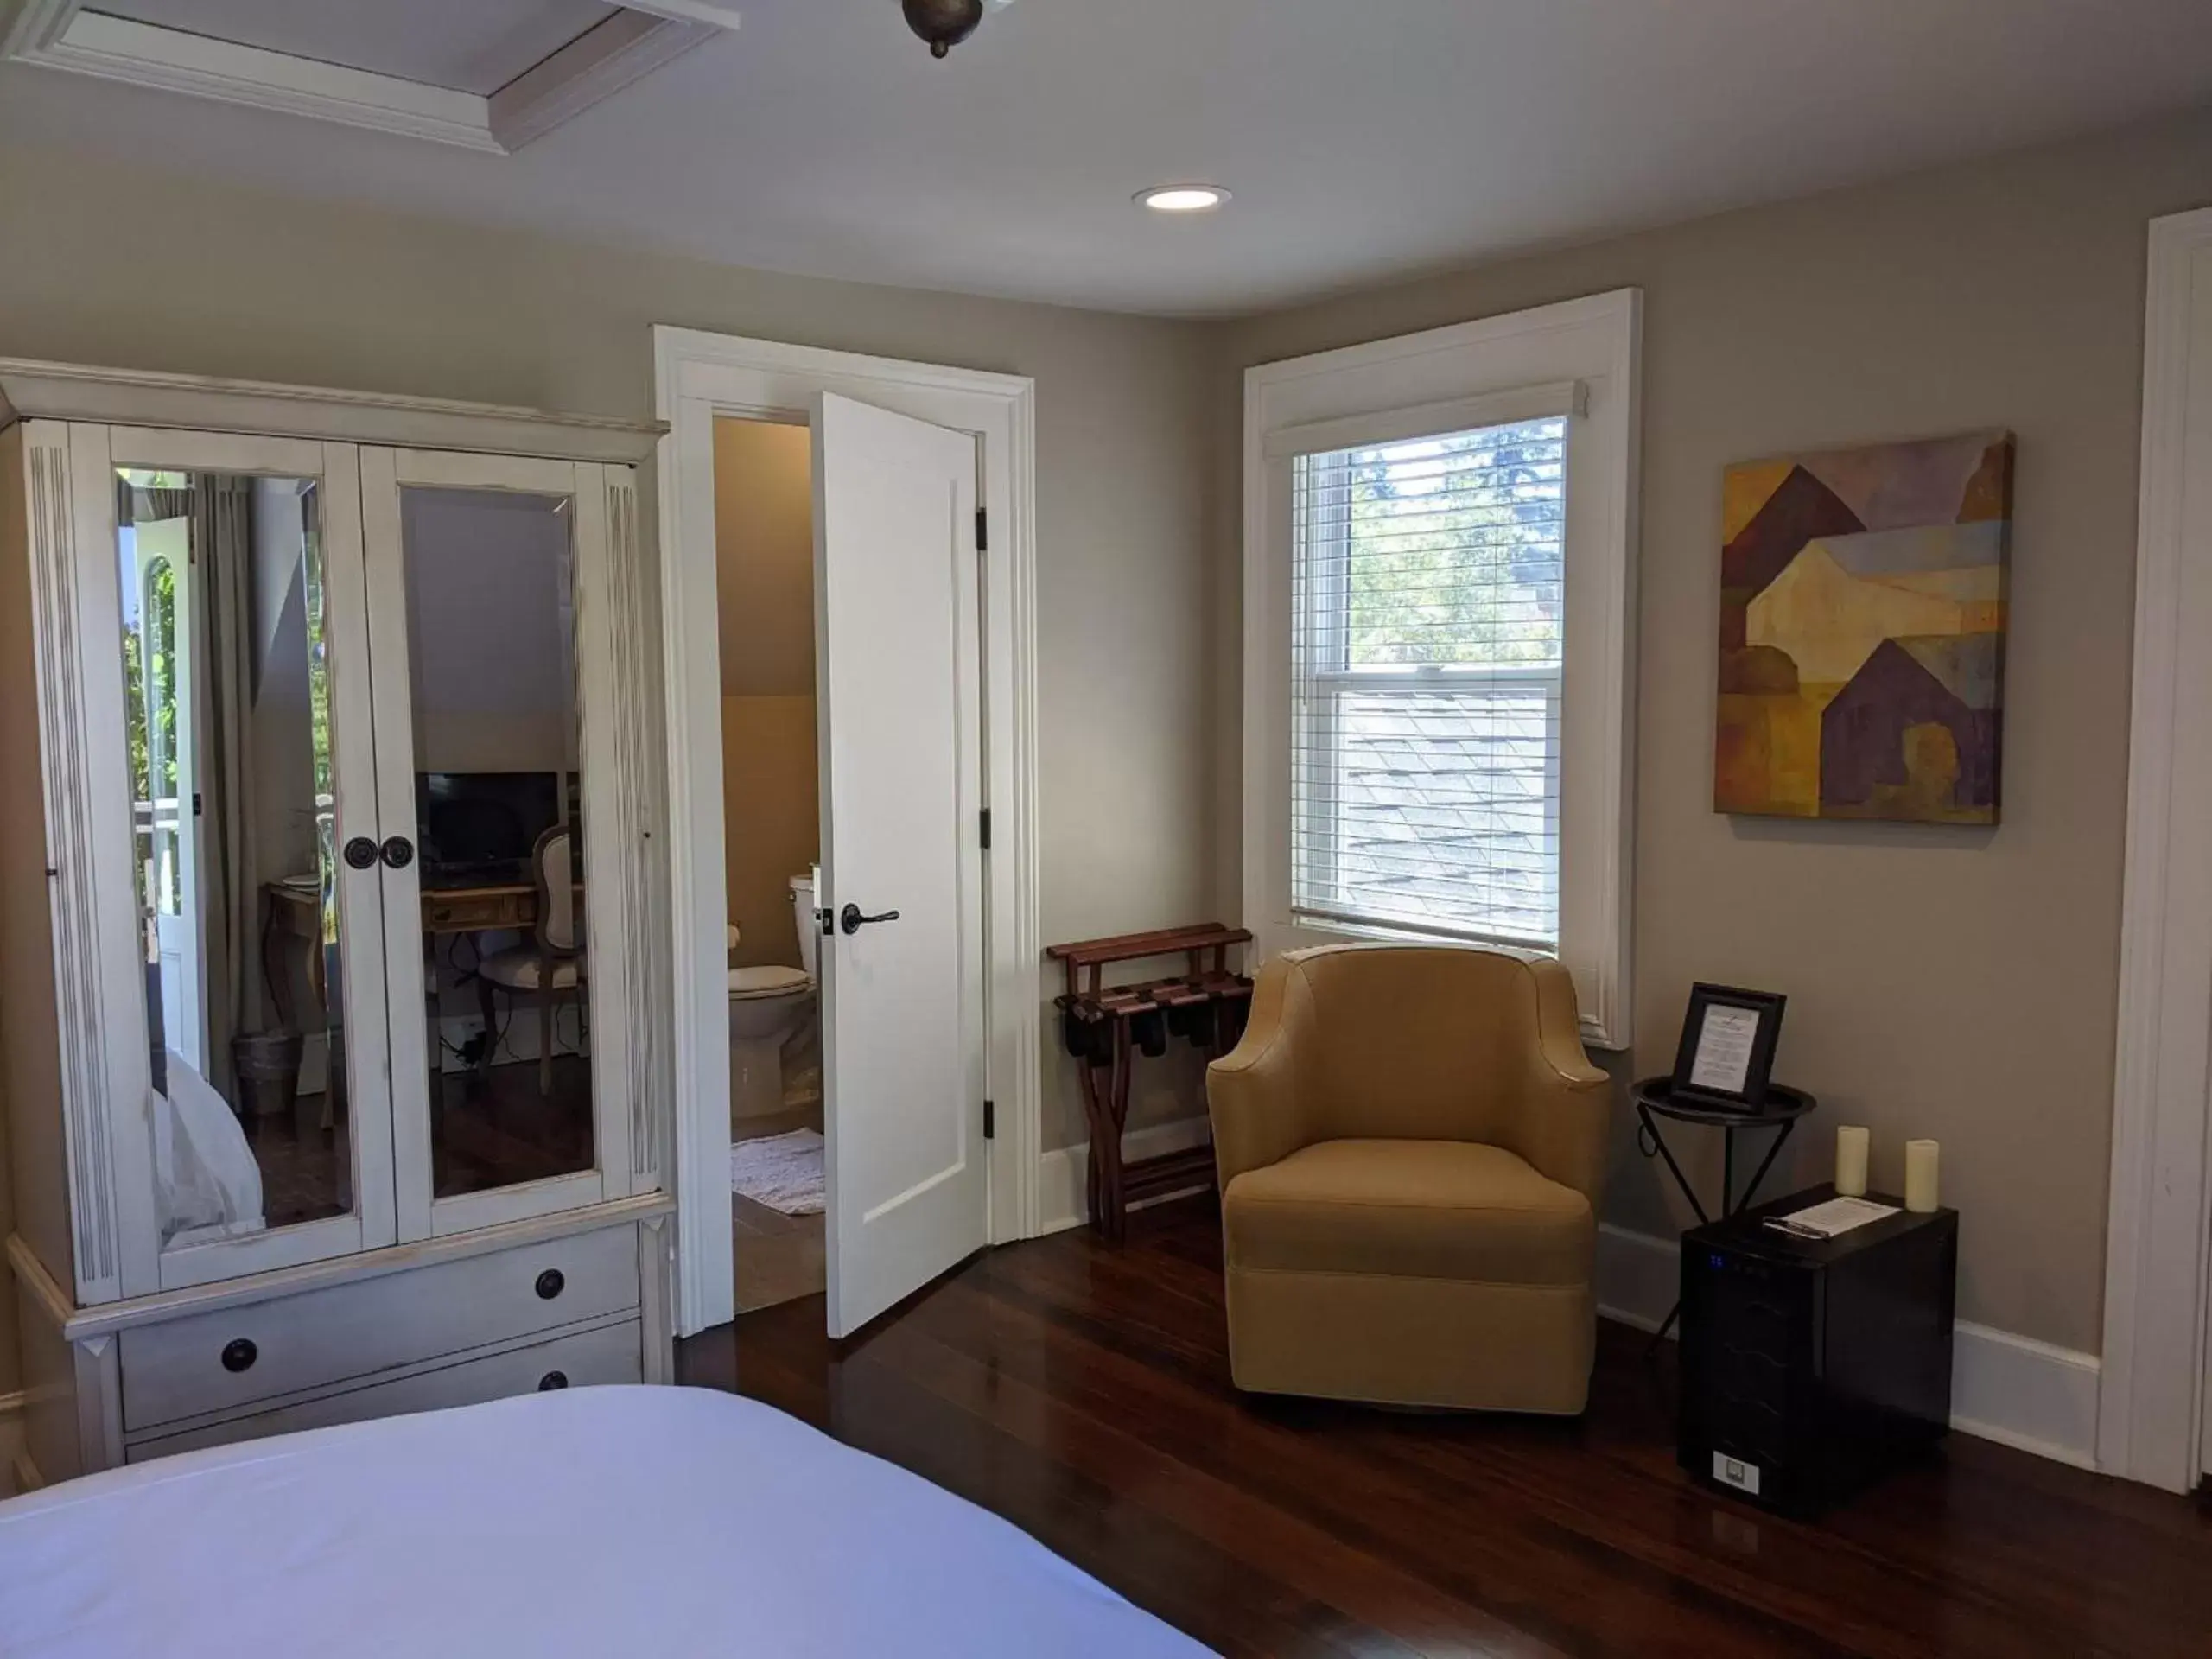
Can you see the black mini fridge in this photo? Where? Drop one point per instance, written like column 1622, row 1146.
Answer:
column 1809, row 1367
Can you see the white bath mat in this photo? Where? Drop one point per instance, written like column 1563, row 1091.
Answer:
column 781, row 1171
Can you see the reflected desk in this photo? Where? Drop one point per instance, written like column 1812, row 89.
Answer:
column 292, row 927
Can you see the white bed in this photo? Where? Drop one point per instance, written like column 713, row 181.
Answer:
column 652, row 1522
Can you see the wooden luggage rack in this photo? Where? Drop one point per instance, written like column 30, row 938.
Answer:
column 1106, row 1026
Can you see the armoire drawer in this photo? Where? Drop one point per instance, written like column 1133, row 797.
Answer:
column 582, row 1359
column 232, row 1356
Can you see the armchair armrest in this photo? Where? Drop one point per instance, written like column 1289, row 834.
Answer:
column 1566, row 1100
column 1260, row 1094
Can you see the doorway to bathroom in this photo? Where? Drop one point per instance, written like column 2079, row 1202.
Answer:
column 772, row 840
column 875, row 1014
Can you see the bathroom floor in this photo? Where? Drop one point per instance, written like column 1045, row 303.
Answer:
column 779, row 1257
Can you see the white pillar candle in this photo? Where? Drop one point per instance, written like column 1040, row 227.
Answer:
column 1920, row 1176
column 1851, row 1142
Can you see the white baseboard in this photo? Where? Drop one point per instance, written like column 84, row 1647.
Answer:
column 2015, row 1391
column 1061, row 1175
column 1637, row 1276
column 2020, row 1392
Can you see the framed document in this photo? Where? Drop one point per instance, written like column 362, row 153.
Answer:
column 1727, row 1048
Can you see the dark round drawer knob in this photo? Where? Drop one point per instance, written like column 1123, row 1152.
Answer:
column 552, row 1380
column 551, row 1284
column 239, row 1354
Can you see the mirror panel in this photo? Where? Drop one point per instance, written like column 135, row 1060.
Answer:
column 227, row 671
column 490, row 578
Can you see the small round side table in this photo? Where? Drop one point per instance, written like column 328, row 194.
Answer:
column 1654, row 1098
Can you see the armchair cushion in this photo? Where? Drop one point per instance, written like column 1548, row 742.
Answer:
column 1427, row 1209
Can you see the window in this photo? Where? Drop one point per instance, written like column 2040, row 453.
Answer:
column 1428, row 647
column 1438, row 583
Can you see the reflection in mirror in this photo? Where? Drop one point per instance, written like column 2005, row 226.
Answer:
column 492, row 658
column 228, row 712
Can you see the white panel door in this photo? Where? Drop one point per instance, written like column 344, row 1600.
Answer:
column 897, row 659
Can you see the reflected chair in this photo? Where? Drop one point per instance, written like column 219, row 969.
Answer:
column 551, row 965
column 1410, row 1142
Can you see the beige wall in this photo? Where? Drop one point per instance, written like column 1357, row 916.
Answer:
column 771, row 820
column 1943, row 981
column 764, row 586
column 1951, row 982
column 764, row 558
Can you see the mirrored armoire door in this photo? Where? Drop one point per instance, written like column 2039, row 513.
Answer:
column 490, row 611
column 235, row 599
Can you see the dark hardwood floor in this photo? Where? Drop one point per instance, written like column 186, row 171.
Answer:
column 1082, row 1392
column 494, row 1130
column 497, row 1129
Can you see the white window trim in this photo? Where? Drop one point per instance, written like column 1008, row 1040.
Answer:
column 1583, row 354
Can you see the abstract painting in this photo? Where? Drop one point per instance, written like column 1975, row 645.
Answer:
column 1862, row 631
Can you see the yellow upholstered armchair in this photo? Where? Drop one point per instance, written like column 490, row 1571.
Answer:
column 1410, row 1142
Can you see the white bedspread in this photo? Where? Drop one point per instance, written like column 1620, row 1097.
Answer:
column 658, row 1522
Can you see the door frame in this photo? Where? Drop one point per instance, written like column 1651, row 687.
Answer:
column 2151, row 1405
column 699, row 378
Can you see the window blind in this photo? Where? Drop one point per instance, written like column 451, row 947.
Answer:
column 1427, row 599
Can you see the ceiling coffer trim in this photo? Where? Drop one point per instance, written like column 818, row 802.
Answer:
column 638, row 38
column 70, row 391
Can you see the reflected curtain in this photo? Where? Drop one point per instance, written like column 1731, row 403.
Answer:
column 136, row 504
column 222, row 552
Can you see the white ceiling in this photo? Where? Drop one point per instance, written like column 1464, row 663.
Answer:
column 1364, row 138
column 470, row 46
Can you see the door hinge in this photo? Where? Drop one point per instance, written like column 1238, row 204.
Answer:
column 195, row 803
column 990, row 1121
column 986, row 816
column 982, row 531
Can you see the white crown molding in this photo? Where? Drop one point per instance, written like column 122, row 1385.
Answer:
column 637, row 39
column 66, row 391
column 699, row 11
column 144, row 55
column 29, row 25
column 591, row 69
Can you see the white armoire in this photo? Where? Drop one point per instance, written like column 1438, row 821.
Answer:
column 333, row 947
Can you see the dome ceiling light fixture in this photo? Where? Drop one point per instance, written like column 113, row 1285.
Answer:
column 1183, row 198
column 945, row 23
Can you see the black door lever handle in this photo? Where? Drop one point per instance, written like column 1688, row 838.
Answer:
column 852, row 921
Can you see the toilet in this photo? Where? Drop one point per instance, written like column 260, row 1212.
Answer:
column 766, row 1005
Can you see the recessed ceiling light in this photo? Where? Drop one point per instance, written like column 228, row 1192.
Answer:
column 1183, row 198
